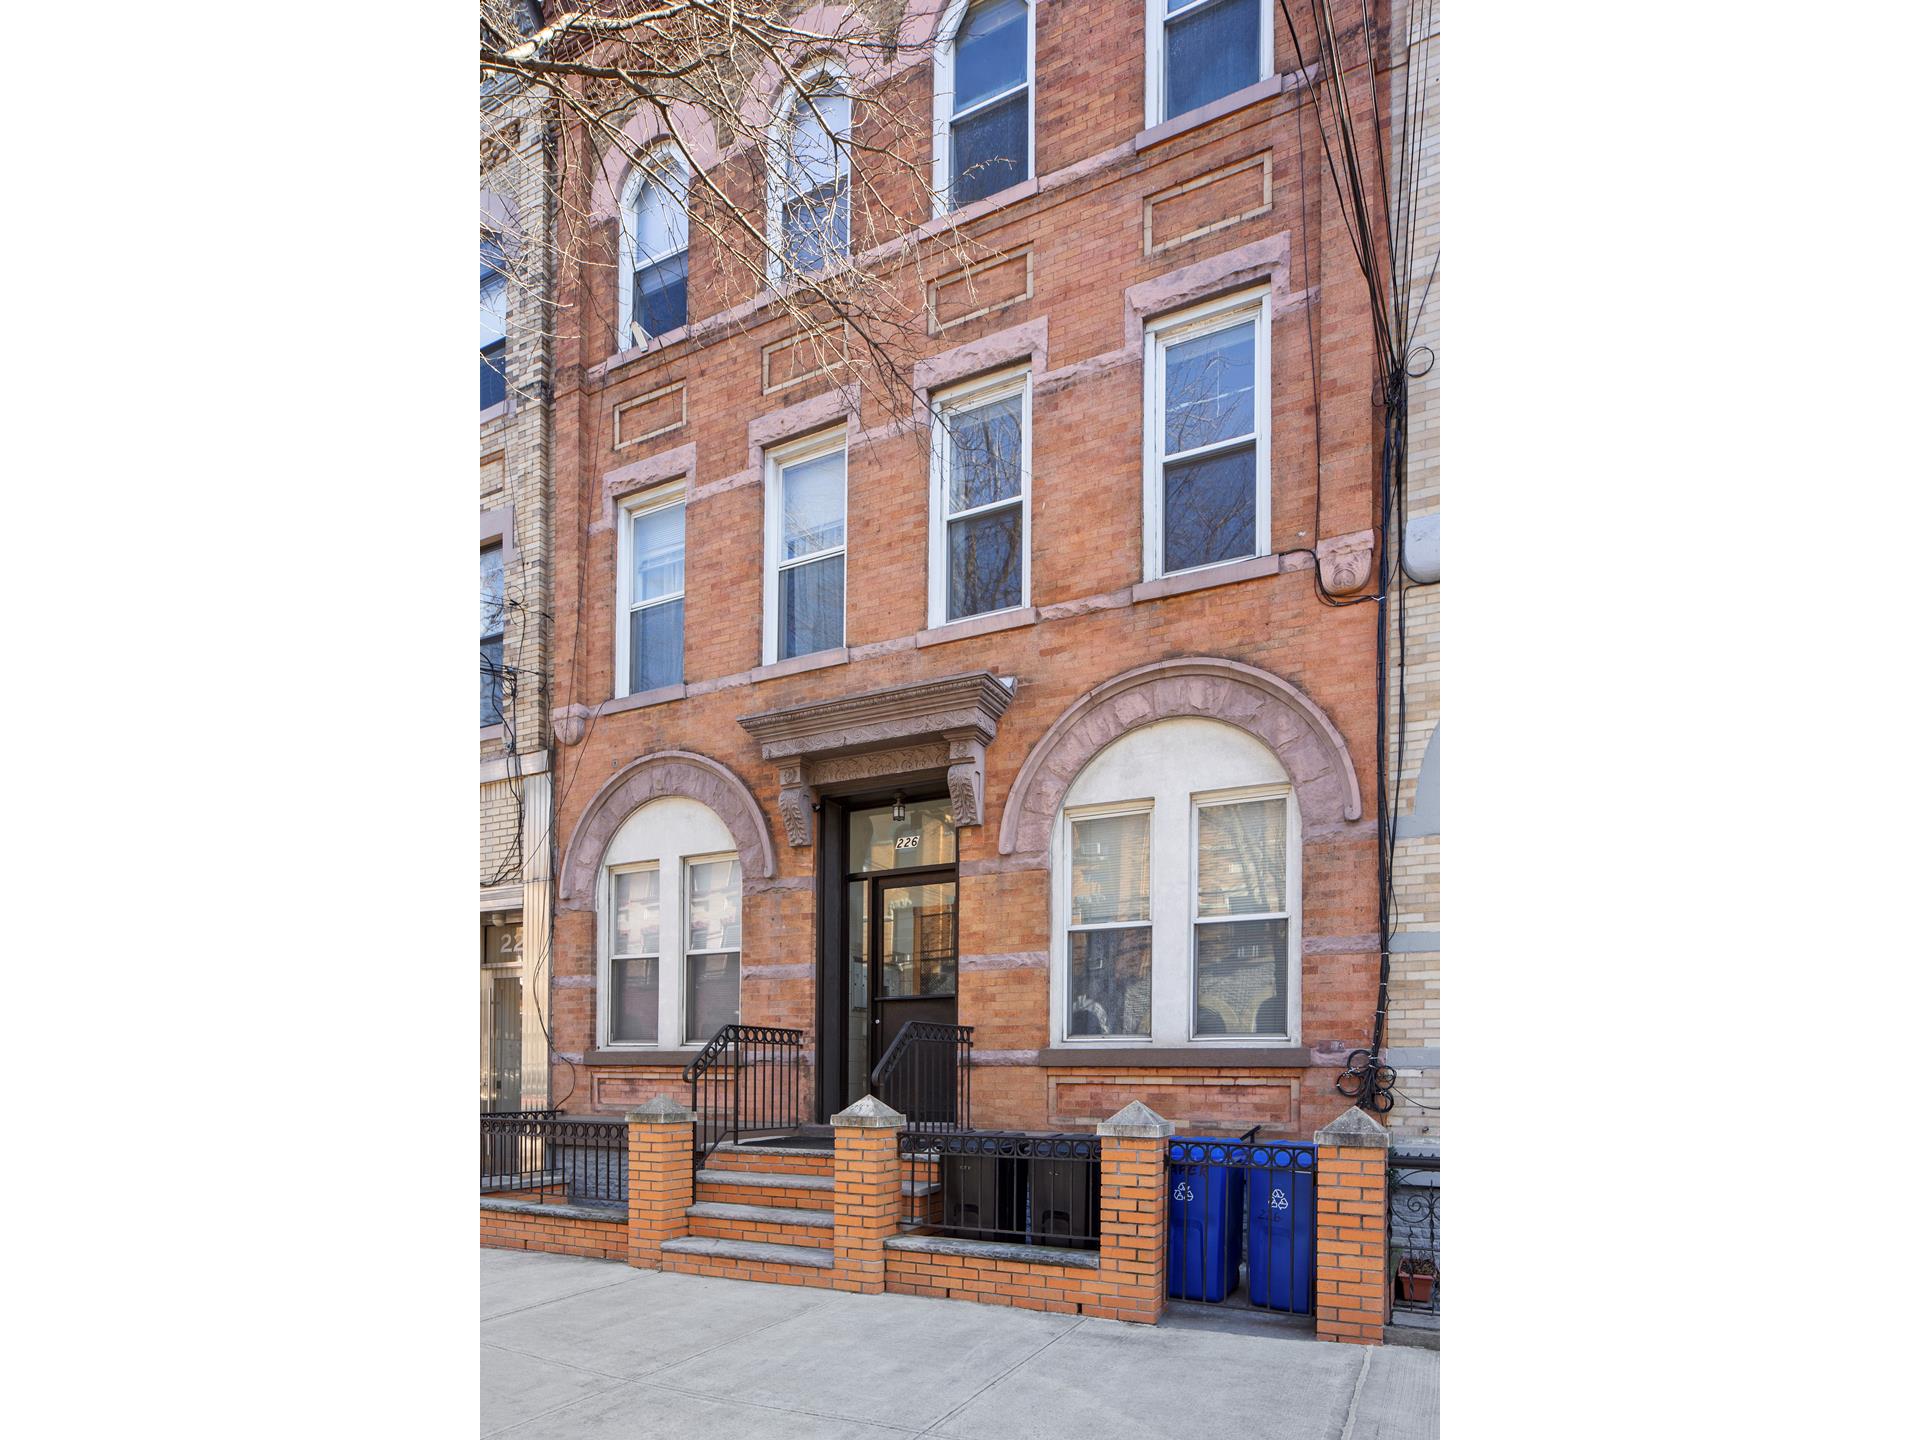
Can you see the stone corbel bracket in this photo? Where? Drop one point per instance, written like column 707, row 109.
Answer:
column 906, row 732
column 1345, row 561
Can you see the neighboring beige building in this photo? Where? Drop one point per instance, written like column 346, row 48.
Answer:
column 516, row 809
column 1413, row 1015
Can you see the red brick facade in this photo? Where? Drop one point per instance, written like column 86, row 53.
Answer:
column 1124, row 225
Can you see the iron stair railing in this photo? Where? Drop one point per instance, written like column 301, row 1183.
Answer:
column 927, row 1075
column 746, row 1080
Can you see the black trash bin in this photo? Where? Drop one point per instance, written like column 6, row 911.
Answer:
column 981, row 1191
column 1063, row 1194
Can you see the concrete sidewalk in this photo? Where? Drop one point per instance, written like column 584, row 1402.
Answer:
column 590, row 1347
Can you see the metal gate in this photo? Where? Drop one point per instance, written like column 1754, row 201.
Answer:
column 1241, row 1222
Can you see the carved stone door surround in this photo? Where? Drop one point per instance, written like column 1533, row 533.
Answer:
column 905, row 732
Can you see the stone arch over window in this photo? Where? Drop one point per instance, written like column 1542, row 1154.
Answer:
column 1262, row 704
column 666, row 772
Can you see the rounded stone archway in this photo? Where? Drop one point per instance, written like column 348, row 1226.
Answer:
column 666, row 772
column 1262, row 704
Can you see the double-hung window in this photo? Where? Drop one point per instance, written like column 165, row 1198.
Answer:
column 633, row 963
column 670, row 924
column 806, row 570
column 493, row 322
column 493, row 631
column 652, row 599
column 983, row 100
column 1241, row 949
column 713, row 946
column 810, row 161
column 1207, row 486
column 1201, row 50
column 1110, row 924
column 653, row 236
column 980, row 499
column 1177, row 893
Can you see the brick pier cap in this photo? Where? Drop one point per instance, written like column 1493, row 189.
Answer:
column 1135, row 1122
column 1355, row 1128
column 660, row 1111
column 868, row 1113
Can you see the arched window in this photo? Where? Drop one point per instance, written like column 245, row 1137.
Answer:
column 1177, row 882
column 493, row 321
column 983, row 100
column 669, row 909
column 807, row 209
column 653, row 247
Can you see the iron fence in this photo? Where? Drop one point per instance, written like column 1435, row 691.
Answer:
column 1413, row 1234
column 747, row 1080
column 1006, row 1186
column 1241, row 1222
column 577, row 1158
column 927, row 1075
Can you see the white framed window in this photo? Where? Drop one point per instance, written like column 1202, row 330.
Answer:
column 1208, row 486
column 493, row 321
column 1200, row 50
column 713, row 946
column 982, row 100
column 1242, row 914
column 493, row 633
column 805, row 595
column 1110, row 923
column 669, row 907
column 633, row 957
column 1177, row 893
column 809, row 165
column 649, row 641
column 653, row 247
column 982, row 498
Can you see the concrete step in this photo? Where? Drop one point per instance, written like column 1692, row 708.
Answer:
column 770, row 1224
column 705, row 1252
column 774, row 1159
column 759, row 1187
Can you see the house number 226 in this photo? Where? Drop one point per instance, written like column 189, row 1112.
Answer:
column 907, row 842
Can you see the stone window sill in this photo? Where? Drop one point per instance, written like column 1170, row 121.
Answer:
column 641, row 699
column 798, row 665
column 676, row 1058
column 1187, row 581
column 1238, row 100
column 493, row 732
column 977, row 625
column 652, row 348
column 496, row 412
column 1245, row 1057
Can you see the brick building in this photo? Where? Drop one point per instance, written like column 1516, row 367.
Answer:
column 1038, row 710
column 516, row 359
column 1413, row 1014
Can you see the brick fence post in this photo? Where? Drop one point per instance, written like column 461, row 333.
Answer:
column 659, row 1178
column 866, row 1193
column 1350, row 1230
column 1133, row 1213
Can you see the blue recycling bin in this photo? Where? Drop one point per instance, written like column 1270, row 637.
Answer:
column 1280, row 1228
column 1207, row 1210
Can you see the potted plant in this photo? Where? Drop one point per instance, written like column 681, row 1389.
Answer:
column 1415, row 1279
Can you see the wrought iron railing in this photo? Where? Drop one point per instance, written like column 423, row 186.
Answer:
column 1241, row 1213
column 575, row 1158
column 1413, row 1234
column 1006, row 1186
column 747, row 1080
column 927, row 1075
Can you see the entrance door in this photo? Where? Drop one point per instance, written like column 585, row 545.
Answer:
column 500, row 1014
column 889, row 949
column 915, row 954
